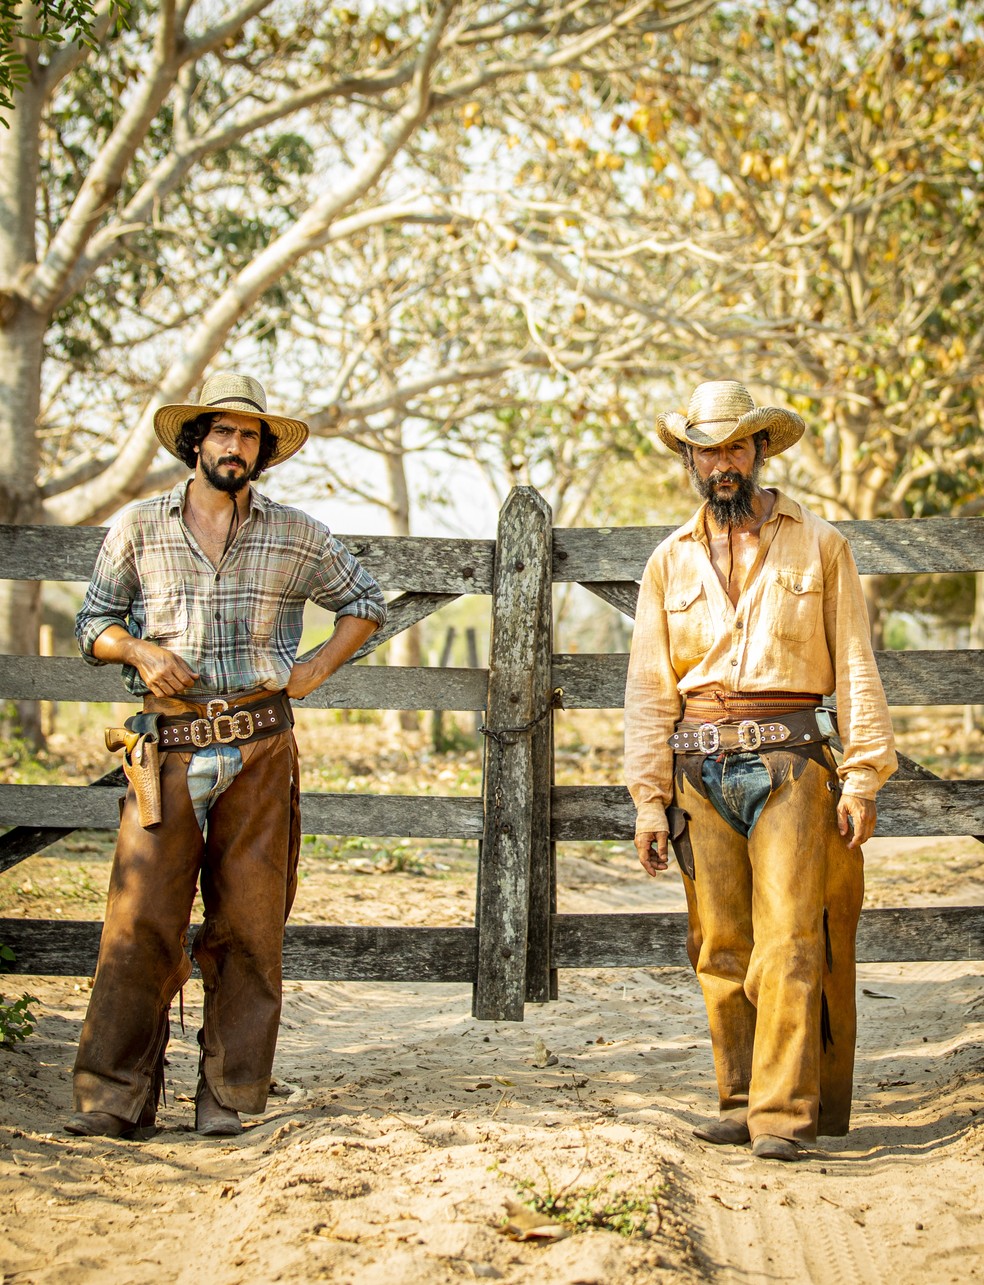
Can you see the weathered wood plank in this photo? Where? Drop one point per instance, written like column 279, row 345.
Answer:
column 909, row 677
column 398, row 562
column 69, row 678
column 589, row 682
column 913, row 807
column 883, row 547
column 649, row 941
column 24, row 841
column 312, row 952
column 517, row 718
column 69, row 948
column 79, row 807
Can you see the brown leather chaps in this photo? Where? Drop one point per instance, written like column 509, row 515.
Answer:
column 772, row 923
column 248, row 869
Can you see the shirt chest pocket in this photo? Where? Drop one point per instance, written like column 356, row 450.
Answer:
column 166, row 610
column 260, row 615
column 688, row 619
column 795, row 607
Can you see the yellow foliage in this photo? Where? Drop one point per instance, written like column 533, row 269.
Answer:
column 471, row 114
column 574, row 80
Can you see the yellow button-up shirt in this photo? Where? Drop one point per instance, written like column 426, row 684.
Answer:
column 800, row 625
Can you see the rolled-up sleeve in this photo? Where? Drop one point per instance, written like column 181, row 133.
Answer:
column 109, row 597
column 344, row 586
column 652, row 708
column 863, row 718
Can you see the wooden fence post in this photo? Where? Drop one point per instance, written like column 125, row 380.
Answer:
column 515, row 852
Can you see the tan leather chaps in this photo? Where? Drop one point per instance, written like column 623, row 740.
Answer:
column 248, row 869
column 772, row 923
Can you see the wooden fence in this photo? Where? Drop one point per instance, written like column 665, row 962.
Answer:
column 518, row 943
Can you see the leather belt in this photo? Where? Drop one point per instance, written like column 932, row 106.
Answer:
column 227, row 723
column 796, row 727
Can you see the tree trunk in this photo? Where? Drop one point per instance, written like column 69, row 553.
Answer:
column 21, row 346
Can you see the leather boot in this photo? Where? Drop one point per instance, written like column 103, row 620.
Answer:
column 723, row 1133
column 211, row 1118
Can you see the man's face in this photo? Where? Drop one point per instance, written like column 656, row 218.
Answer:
column 726, row 477
column 228, row 453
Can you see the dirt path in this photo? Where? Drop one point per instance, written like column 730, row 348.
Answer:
column 401, row 1127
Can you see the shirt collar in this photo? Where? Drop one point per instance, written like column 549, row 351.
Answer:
column 258, row 504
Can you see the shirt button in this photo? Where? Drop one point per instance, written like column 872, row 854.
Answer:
column 737, row 624
column 734, row 662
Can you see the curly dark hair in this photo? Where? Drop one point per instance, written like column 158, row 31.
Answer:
column 193, row 433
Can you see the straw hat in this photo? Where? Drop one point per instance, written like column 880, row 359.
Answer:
column 241, row 394
column 722, row 411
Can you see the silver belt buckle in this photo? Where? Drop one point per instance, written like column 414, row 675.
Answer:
column 708, row 738
column 749, row 734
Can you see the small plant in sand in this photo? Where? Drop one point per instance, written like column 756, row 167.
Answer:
column 547, row 1213
column 16, row 1019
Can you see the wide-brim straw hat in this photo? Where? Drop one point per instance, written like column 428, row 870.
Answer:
column 242, row 395
column 722, row 411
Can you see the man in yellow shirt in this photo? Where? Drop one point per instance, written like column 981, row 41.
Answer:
column 748, row 616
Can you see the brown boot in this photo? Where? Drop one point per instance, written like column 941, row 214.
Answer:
column 100, row 1124
column 211, row 1118
column 768, row 1147
column 723, row 1133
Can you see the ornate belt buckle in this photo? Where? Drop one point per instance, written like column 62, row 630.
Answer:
column 200, row 731
column 749, row 734
column 224, row 729
column 243, row 725
column 708, row 738
column 215, row 707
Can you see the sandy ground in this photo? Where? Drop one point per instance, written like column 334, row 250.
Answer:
column 400, row 1128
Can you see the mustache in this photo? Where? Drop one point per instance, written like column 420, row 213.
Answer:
column 232, row 459
column 730, row 476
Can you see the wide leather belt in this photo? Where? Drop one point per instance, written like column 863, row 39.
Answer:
column 793, row 728
column 227, row 723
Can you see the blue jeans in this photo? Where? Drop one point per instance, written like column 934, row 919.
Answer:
column 739, row 786
column 210, row 772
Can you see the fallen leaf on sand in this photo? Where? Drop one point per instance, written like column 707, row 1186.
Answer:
column 525, row 1224
column 541, row 1054
column 877, row 994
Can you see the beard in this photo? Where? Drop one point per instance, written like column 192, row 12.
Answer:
column 230, row 483
column 728, row 510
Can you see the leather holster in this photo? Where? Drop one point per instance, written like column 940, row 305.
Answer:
column 138, row 739
column 678, row 821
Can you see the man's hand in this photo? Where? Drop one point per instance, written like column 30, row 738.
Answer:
column 652, row 847
column 350, row 633
column 857, row 815
column 164, row 672
column 304, row 678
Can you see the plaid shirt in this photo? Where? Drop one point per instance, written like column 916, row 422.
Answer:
column 238, row 624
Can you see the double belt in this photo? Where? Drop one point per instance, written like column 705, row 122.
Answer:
column 227, row 723
column 784, row 731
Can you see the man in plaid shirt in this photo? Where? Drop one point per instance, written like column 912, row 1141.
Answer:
column 199, row 594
